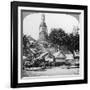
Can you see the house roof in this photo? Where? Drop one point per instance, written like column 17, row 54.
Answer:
column 59, row 55
column 69, row 56
column 42, row 55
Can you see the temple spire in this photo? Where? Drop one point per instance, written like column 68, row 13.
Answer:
column 43, row 17
column 43, row 35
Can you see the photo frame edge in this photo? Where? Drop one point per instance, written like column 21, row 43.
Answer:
column 14, row 39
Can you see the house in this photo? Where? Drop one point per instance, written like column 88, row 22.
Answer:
column 49, row 57
column 69, row 56
column 59, row 56
column 42, row 55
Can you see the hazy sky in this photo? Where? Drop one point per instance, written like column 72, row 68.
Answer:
column 65, row 21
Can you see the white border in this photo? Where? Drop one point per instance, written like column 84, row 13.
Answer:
column 51, row 78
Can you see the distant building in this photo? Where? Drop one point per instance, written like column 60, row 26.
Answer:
column 43, row 34
column 59, row 56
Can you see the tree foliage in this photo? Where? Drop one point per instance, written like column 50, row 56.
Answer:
column 74, row 42
column 25, row 45
column 59, row 37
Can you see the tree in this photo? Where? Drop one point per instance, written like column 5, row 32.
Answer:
column 58, row 36
column 25, row 45
column 74, row 42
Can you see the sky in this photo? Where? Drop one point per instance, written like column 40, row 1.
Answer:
column 32, row 22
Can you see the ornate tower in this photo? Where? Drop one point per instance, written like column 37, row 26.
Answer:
column 43, row 34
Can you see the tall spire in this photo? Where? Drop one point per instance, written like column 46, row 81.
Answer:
column 43, row 17
column 43, row 24
column 43, row 29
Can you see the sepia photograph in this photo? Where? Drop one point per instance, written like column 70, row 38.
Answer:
column 50, row 44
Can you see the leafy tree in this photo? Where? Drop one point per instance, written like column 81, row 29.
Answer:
column 25, row 45
column 57, row 36
column 74, row 42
